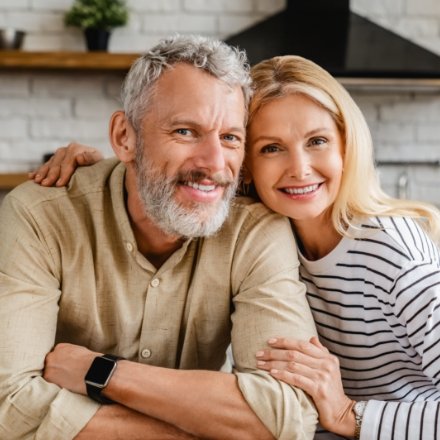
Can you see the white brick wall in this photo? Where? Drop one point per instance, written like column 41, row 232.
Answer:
column 418, row 20
column 41, row 111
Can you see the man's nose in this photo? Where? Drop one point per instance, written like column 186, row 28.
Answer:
column 211, row 154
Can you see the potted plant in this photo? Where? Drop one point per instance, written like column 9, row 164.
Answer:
column 97, row 18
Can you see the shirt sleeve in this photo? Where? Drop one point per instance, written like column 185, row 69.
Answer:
column 30, row 407
column 416, row 296
column 270, row 301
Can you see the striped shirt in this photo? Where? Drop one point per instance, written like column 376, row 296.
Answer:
column 376, row 304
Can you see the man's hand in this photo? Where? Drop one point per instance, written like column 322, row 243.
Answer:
column 67, row 365
column 60, row 167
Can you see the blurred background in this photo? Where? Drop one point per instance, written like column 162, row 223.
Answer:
column 53, row 90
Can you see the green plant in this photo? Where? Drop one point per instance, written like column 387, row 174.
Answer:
column 98, row 14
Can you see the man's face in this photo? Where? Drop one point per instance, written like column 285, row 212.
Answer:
column 190, row 149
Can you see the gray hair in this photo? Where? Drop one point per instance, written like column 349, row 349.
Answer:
column 224, row 62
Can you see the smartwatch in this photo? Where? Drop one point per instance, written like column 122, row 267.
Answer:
column 99, row 375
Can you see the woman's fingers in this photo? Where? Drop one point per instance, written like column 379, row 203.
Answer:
column 289, row 360
column 291, row 350
column 59, row 168
column 303, row 382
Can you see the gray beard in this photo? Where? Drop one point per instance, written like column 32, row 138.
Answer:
column 157, row 194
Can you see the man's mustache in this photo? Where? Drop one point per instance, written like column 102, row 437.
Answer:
column 219, row 178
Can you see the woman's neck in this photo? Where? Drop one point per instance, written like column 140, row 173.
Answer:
column 316, row 238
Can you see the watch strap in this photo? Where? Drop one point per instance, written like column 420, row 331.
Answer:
column 94, row 392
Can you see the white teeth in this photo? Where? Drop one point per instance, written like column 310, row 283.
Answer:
column 304, row 190
column 200, row 187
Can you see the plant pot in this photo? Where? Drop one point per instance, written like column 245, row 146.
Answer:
column 97, row 39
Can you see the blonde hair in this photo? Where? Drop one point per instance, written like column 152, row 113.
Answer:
column 360, row 194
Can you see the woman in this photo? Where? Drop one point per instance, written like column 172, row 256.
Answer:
column 369, row 262
column 371, row 270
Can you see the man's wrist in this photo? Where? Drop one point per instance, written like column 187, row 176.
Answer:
column 98, row 376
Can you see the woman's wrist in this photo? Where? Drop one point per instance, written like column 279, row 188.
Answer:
column 346, row 425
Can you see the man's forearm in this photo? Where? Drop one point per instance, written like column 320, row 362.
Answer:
column 205, row 403
column 116, row 422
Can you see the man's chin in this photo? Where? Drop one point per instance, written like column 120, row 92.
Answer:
column 198, row 220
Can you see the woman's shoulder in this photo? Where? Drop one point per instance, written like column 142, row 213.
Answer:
column 402, row 236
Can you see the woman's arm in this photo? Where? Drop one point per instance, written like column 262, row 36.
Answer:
column 415, row 304
column 59, row 168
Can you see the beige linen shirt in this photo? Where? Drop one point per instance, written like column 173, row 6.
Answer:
column 70, row 271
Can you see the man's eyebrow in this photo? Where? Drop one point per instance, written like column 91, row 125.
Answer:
column 195, row 124
column 242, row 130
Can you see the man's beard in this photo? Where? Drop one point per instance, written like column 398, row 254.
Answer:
column 157, row 193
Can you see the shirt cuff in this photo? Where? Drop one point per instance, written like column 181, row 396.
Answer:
column 286, row 411
column 69, row 413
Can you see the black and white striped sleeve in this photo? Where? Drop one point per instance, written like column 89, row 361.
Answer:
column 415, row 302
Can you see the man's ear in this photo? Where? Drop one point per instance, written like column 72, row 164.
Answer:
column 122, row 137
column 246, row 174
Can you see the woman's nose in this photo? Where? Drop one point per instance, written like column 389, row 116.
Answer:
column 299, row 166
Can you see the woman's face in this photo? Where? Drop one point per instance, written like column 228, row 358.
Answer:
column 295, row 157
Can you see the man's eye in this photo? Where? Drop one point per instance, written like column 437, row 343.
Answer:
column 183, row 131
column 270, row 149
column 230, row 138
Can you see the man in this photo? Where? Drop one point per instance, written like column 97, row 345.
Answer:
column 142, row 258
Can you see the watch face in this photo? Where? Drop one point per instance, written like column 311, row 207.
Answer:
column 100, row 372
column 359, row 408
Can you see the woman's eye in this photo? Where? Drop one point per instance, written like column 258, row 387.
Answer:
column 270, row 149
column 318, row 141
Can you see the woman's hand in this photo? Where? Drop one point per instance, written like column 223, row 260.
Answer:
column 67, row 365
column 60, row 167
column 311, row 367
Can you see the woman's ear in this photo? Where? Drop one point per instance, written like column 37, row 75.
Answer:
column 122, row 137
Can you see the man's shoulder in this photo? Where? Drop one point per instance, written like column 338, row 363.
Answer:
column 253, row 209
column 85, row 179
column 248, row 206
column 247, row 214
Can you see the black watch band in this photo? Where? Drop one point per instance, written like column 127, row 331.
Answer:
column 99, row 375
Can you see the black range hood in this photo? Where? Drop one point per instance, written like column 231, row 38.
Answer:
column 344, row 43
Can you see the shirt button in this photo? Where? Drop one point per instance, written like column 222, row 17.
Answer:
column 129, row 247
column 155, row 282
column 146, row 353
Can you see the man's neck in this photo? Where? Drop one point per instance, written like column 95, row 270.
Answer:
column 156, row 245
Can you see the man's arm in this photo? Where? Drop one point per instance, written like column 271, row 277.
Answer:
column 205, row 403
column 31, row 407
column 269, row 301
column 116, row 422
column 29, row 294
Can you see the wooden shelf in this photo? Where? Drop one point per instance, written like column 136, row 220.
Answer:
column 404, row 84
column 11, row 180
column 66, row 60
